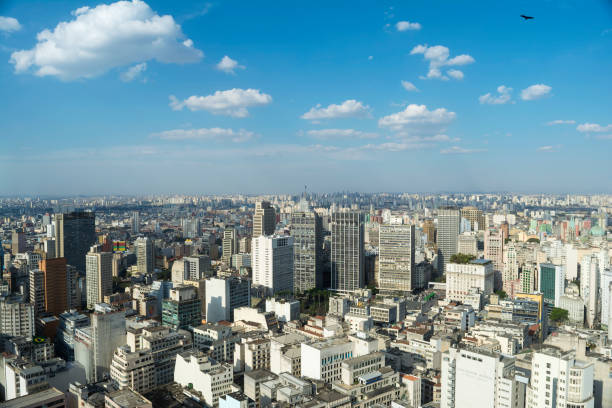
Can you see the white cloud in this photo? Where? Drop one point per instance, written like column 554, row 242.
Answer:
column 347, row 109
column 228, row 65
column 418, row 119
column 214, row 134
column 549, row 148
column 535, row 92
column 407, row 25
column 133, row 72
column 438, row 57
column 370, row 57
column 9, row 24
column 233, row 102
column 330, row 134
column 105, row 37
column 500, row 99
column 593, row 128
column 561, row 122
column 455, row 73
column 460, row 150
column 409, row 86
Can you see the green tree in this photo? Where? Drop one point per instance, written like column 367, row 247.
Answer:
column 558, row 315
column 461, row 258
column 502, row 294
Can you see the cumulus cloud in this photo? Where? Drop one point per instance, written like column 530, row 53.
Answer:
column 228, row 65
column 133, row 72
column 438, row 57
column 460, row 150
column 213, row 134
column 593, row 128
column 502, row 97
column 329, row 134
column 561, row 122
column 535, row 92
column 105, row 37
column 417, row 119
column 409, row 86
column 9, row 24
column 407, row 25
column 347, row 109
column 233, row 102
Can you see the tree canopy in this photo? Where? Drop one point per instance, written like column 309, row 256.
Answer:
column 462, row 258
column 558, row 315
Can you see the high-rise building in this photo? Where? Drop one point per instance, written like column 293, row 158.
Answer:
column 55, row 285
column 559, row 380
column 475, row 217
column 264, row 219
column 18, row 241
column 494, row 251
column 133, row 369
column 307, row 233
column 191, row 227
column 347, row 254
column 429, row 230
column 183, row 309
column 604, row 285
column 98, row 275
column 74, row 233
column 479, row 378
column 552, row 283
column 145, row 255
column 16, row 316
column 462, row 279
column 396, row 257
column 196, row 267
column 37, row 291
column 135, row 222
column 468, row 244
column 224, row 295
column 107, row 333
column 447, row 237
column 230, row 244
column 272, row 263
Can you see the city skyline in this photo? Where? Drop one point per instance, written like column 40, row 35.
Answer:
column 208, row 97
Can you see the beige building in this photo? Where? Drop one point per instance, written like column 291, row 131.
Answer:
column 134, row 370
column 264, row 219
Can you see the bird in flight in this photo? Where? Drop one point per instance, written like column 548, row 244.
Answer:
column 526, row 17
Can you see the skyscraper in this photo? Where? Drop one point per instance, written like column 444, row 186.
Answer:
column 108, row 332
column 223, row 295
column 264, row 219
column 145, row 256
column 99, row 275
column 306, row 230
column 135, row 222
column 447, row 236
column 552, row 283
column 18, row 242
column 37, row 291
column 196, row 267
column 75, row 233
column 272, row 262
column 230, row 244
column 55, row 285
column 429, row 229
column 396, row 257
column 494, row 251
column 475, row 217
column 347, row 260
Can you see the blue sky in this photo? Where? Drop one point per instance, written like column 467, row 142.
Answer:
column 222, row 97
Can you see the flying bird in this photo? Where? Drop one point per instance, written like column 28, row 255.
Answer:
column 526, row 17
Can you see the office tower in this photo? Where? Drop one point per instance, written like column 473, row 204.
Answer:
column 18, row 241
column 244, row 246
column 55, row 285
column 196, row 267
column 475, row 217
column 191, row 227
column 429, row 230
column 74, row 233
column 107, row 333
column 347, row 257
column 183, row 309
column 16, row 316
column 49, row 248
column 223, row 295
column 37, row 292
column 73, row 296
column 135, row 222
column 447, row 236
column 98, row 275
column 461, row 279
column 559, row 380
column 145, row 255
column 307, row 233
column 552, row 283
column 494, row 251
column 592, row 295
column 230, row 244
column 272, row 263
column 479, row 378
column 468, row 244
column 396, row 257
column 264, row 219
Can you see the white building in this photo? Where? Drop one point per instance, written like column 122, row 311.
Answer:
column 16, row 316
column 285, row 310
column 559, row 380
column 108, row 332
column 23, row 378
column 272, row 262
column 223, row 296
column 322, row 360
column 145, row 256
column 195, row 371
column 461, row 279
column 134, row 370
column 479, row 379
column 99, row 275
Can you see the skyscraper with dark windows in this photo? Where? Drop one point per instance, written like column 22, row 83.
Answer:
column 75, row 234
column 447, row 237
column 264, row 219
column 347, row 262
column 396, row 257
column 307, row 233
